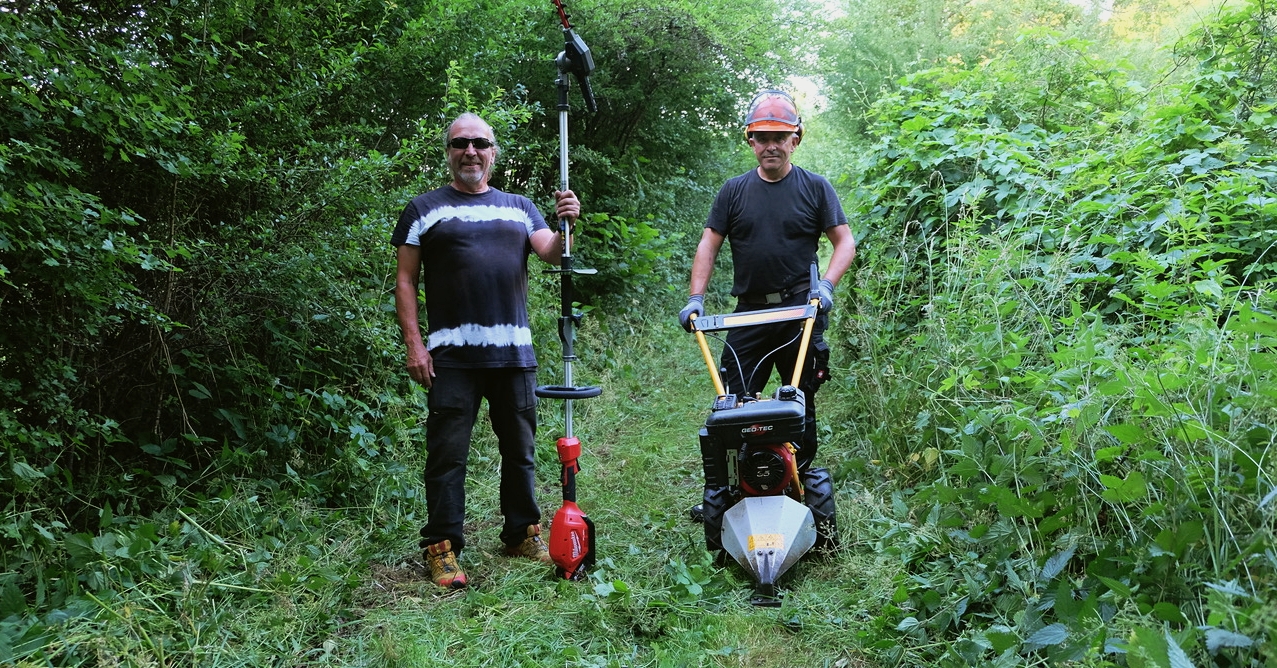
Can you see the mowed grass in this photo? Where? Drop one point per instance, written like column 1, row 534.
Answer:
column 655, row 598
column 266, row 574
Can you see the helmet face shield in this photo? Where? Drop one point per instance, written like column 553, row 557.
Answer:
column 773, row 111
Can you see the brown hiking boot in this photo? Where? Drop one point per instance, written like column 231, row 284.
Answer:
column 531, row 547
column 443, row 565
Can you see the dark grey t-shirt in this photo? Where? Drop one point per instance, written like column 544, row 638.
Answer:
column 474, row 256
column 774, row 228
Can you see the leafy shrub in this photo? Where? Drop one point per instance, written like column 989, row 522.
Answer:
column 1069, row 324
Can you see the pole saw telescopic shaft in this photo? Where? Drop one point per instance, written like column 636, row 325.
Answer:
column 571, row 542
column 575, row 59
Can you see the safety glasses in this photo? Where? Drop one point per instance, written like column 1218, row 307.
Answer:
column 460, row 143
column 766, row 138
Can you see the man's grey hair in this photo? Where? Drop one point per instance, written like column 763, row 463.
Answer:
column 471, row 116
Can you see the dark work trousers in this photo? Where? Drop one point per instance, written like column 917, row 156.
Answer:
column 453, row 401
column 760, row 349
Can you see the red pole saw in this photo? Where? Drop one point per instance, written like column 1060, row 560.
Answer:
column 571, row 542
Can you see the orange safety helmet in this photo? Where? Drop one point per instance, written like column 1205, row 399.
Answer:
column 773, row 111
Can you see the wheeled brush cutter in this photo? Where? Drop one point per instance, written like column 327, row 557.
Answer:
column 571, row 543
column 758, row 507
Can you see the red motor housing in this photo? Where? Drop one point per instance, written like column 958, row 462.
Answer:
column 571, row 542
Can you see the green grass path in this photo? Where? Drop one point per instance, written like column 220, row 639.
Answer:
column 654, row 599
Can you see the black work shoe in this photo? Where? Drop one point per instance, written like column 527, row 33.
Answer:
column 697, row 512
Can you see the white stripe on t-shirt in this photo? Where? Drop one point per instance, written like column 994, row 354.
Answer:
column 480, row 335
column 468, row 214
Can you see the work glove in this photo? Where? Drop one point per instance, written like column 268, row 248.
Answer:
column 695, row 306
column 826, row 293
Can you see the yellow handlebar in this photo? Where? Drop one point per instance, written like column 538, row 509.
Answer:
column 801, row 360
column 709, row 360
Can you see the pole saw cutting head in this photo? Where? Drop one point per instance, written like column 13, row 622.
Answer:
column 575, row 59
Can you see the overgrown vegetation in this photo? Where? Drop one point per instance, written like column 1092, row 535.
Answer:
column 1067, row 308
column 1051, row 426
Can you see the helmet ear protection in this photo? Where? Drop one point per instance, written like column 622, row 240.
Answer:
column 773, row 111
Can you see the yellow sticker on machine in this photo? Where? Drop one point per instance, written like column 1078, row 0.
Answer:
column 762, row 541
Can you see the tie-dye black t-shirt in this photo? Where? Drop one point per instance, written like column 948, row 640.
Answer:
column 474, row 256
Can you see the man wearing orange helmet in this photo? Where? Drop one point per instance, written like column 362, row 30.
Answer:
column 774, row 216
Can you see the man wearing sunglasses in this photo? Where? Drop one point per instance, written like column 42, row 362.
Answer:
column 469, row 243
column 774, row 215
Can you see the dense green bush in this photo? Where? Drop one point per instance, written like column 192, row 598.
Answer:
column 1068, row 294
column 195, row 205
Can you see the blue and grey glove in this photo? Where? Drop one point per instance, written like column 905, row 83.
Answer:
column 826, row 293
column 695, row 306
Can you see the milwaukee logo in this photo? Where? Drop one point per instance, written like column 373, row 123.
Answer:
column 756, row 429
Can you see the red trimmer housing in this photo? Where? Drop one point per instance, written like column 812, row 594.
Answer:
column 572, row 533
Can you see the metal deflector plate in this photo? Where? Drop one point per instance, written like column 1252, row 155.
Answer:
column 767, row 535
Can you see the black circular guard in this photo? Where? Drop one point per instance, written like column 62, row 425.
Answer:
column 564, row 392
column 763, row 470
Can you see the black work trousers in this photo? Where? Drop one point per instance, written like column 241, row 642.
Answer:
column 753, row 352
column 453, row 401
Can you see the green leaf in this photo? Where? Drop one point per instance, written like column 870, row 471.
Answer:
column 1217, row 639
column 24, row 471
column 1124, row 490
column 1056, row 563
column 1146, row 649
column 12, row 601
column 1057, row 521
column 1118, row 587
column 1126, row 433
column 1111, row 453
column 1066, row 607
column 1053, row 634
column 1113, row 388
column 1179, row 658
column 1001, row 638
column 1168, row 612
column 1209, row 287
column 915, row 124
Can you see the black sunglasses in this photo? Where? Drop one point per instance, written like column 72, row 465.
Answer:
column 460, row 143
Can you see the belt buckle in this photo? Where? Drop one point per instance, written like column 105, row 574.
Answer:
column 772, row 298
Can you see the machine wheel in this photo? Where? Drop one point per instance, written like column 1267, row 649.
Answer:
column 717, row 501
column 818, row 486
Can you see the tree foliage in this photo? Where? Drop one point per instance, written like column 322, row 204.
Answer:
column 1063, row 323
column 873, row 44
column 1072, row 273
column 192, row 193
column 195, row 204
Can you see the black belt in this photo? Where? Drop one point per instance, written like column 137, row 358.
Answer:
column 773, row 298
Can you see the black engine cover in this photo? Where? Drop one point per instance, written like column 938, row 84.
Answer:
column 760, row 422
